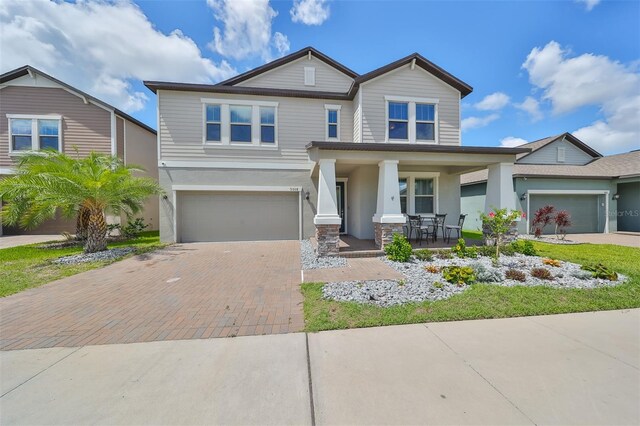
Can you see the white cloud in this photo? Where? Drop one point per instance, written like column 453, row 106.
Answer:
column 310, row 12
column 100, row 48
column 246, row 29
column 532, row 107
column 281, row 43
column 589, row 4
column 571, row 82
column 476, row 122
column 511, row 142
column 493, row 102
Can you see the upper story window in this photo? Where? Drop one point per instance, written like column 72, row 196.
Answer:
column 411, row 119
column 332, row 122
column 33, row 133
column 240, row 123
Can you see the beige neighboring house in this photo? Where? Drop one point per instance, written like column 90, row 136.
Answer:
column 38, row 111
column 304, row 146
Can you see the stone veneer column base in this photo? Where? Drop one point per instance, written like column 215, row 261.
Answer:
column 328, row 237
column 384, row 233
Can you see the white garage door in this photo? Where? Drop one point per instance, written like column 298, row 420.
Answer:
column 586, row 210
column 237, row 216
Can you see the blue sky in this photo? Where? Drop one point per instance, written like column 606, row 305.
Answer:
column 574, row 62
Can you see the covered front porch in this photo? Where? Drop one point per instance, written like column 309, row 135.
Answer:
column 367, row 191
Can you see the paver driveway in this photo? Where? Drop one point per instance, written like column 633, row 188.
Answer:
column 186, row 291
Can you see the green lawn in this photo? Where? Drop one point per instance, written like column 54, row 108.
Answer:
column 491, row 301
column 472, row 235
column 29, row 266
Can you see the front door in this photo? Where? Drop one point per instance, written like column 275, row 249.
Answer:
column 340, row 199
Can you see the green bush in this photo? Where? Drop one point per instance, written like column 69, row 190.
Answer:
column 486, row 251
column 424, row 254
column 438, row 284
column 134, row 228
column 443, row 254
column 399, row 250
column 459, row 275
column 461, row 250
column 524, row 247
column 599, row 270
column 487, row 275
column 514, row 274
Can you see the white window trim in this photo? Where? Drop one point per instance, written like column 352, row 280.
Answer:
column 412, row 118
column 35, row 132
column 328, row 108
column 274, row 125
column 225, row 124
column 411, row 185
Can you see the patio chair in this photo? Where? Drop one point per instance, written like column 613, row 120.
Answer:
column 457, row 228
column 439, row 224
column 427, row 227
column 413, row 226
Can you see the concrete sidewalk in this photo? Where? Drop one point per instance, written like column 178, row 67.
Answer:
column 562, row 369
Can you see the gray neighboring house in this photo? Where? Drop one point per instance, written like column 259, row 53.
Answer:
column 304, row 146
column 38, row 110
column 602, row 193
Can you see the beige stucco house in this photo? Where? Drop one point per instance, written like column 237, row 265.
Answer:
column 38, row 111
column 304, row 146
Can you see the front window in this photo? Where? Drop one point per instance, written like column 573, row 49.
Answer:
column 267, row 124
column 425, row 122
column 398, row 121
column 21, row 137
column 213, row 123
column 424, row 196
column 32, row 134
column 403, row 194
column 240, row 123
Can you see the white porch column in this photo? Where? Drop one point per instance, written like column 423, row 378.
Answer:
column 327, row 213
column 326, row 219
column 500, row 187
column 388, row 219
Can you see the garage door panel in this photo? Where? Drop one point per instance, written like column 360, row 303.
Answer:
column 238, row 216
column 587, row 214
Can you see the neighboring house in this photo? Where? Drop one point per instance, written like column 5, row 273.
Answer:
column 305, row 146
column 602, row 194
column 38, row 111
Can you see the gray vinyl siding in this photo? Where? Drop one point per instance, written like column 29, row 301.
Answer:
column 628, row 206
column 357, row 113
column 549, row 155
column 86, row 127
column 291, row 76
column 300, row 121
column 411, row 83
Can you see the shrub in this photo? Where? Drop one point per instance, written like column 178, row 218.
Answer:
column 438, row 284
column 444, row 254
column 514, row 274
column 524, row 247
column 472, row 252
column 399, row 250
column 548, row 214
column 433, row 269
column 487, row 275
column 461, row 250
column 508, row 250
column 499, row 222
column 582, row 275
column 486, row 251
column 134, row 228
column 424, row 254
column 459, row 275
column 551, row 262
column 541, row 273
column 599, row 270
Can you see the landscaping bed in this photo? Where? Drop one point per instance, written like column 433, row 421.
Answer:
column 310, row 260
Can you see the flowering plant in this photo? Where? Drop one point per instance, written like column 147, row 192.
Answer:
column 499, row 222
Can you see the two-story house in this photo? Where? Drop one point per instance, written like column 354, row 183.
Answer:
column 305, row 146
column 38, row 111
column 601, row 193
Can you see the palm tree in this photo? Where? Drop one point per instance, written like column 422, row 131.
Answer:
column 49, row 181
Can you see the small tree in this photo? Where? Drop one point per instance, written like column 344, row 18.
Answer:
column 48, row 181
column 499, row 222
column 548, row 214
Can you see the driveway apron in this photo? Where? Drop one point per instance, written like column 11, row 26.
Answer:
column 186, row 291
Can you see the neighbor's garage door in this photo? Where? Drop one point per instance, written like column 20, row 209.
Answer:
column 237, row 216
column 587, row 212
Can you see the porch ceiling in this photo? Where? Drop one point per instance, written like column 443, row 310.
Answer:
column 454, row 159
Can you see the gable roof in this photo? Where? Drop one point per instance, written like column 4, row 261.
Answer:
column 228, row 86
column 285, row 60
column 423, row 63
column 540, row 143
column 29, row 70
column 624, row 165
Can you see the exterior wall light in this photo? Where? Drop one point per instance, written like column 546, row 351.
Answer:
column 616, row 196
column 306, row 195
column 523, row 196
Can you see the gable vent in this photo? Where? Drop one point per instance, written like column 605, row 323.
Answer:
column 561, row 154
column 309, row 76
